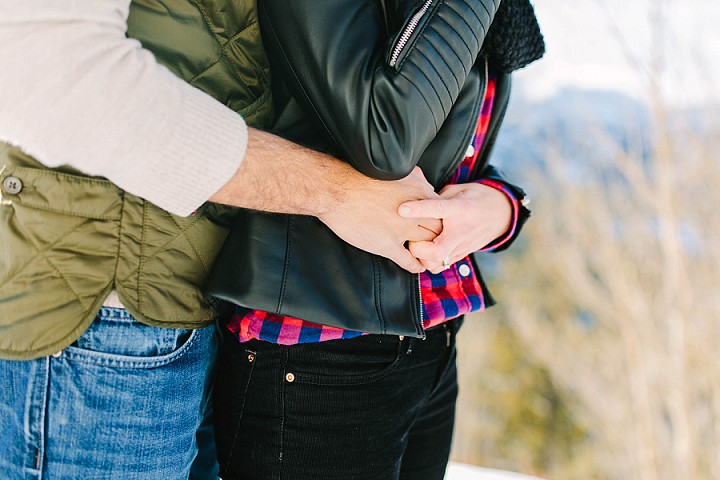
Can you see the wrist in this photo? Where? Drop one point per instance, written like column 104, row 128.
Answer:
column 507, row 207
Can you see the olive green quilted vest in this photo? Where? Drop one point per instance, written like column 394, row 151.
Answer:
column 67, row 240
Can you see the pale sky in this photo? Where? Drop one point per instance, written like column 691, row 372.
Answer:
column 615, row 44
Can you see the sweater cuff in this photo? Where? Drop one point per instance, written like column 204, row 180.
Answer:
column 203, row 152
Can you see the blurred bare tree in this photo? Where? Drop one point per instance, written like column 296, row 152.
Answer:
column 614, row 297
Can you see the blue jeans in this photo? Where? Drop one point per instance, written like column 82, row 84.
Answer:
column 375, row 407
column 125, row 401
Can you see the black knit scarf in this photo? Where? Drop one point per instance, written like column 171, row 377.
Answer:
column 514, row 39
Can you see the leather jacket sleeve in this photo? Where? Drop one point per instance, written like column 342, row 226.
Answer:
column 378, row 81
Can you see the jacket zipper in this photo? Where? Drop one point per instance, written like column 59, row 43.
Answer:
column 484, row 93
column 407, row 33
column 420, row 308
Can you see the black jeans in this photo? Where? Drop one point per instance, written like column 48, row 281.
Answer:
column 374, row 407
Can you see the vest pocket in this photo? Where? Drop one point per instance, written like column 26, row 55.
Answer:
column 58, row 249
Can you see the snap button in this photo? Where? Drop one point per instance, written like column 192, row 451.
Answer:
column 12, row 185
column 402, row 337
column 464, row 270
column 57, row 354
column 470, row 151
column 290, row 377
column 251, row 358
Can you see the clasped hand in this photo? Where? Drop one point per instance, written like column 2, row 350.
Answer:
column 472, row 214
column 407, row 222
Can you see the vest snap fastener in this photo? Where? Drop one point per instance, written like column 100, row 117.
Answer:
column 290, row 377
column 12, row 185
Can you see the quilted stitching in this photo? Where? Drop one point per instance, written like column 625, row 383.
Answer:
column 41, row 254
column 49, row 291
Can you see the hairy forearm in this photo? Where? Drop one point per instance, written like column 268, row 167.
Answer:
column 279, row 176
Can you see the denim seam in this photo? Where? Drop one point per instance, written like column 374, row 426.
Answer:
column 42, row 405
column 123, row 361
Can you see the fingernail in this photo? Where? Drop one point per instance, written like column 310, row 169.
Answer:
column 404, row 210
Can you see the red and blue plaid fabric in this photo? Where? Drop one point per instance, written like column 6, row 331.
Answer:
column 250, row 324
column 445, row 295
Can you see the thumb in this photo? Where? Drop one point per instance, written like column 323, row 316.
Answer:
column 428, row 208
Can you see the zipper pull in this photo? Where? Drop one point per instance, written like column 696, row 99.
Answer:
column 407, row 33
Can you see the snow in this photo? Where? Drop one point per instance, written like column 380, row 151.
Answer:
column 459, row 471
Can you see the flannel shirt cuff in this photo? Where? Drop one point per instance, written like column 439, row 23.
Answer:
column 520, row 214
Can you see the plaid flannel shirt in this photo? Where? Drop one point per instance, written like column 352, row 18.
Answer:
column 445, row 295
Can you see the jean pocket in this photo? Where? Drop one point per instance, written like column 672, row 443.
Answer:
column 232, row 378
column 345, row 362
column 116, row 338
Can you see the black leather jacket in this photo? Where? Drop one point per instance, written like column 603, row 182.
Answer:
column 384, row 87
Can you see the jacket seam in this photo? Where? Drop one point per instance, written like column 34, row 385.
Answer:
column 378, row 292
column 297, row 79
column 288, row 250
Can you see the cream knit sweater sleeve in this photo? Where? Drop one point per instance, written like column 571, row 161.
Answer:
column 75, row 91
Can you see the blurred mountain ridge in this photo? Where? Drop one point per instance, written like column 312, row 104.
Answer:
column 590, row 126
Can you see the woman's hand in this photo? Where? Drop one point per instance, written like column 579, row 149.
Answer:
column 473, row 215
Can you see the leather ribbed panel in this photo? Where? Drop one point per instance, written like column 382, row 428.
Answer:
column 341, row 50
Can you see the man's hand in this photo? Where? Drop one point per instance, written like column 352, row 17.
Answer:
column 473, row 215
column 280, row 176
column 367, row 218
